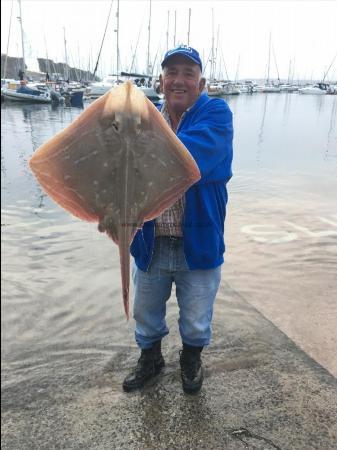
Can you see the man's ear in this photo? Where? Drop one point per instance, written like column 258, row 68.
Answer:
column 202, row 84
column 161, row 85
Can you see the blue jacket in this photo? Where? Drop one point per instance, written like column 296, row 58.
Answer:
column 207, row 131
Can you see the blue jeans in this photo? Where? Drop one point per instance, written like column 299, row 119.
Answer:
column 195, row 289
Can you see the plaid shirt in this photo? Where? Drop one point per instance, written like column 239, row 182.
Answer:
column 169, row 223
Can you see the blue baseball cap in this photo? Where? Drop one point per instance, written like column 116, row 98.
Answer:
column 183, row 50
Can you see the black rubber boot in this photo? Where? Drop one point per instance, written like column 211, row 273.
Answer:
column 149, row 364
column 192, row 374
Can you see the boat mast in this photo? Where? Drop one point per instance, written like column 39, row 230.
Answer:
column 167, row 32
column 66, row 73
column 289, row 72
column 224, row 62
column 189, row 26
column 326, row 73
column 148, row 71
column 100, row 50
column 278, row 75
column 47, row 59
column 9, row 33
column 79, row 57
column 135, row 52
column 175, row 28
column 216, row 51
column 22, row 43
column 237, row 69
column 212, row 58
column 268, row 59
column 117, row 15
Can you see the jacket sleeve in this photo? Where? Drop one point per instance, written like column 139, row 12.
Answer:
column 209, row 139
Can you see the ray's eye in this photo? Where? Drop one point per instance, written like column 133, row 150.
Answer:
column 115, row 125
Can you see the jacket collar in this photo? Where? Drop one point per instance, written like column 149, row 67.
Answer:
column 201, row 100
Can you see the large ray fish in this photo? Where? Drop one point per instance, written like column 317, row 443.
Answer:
column 118, row 164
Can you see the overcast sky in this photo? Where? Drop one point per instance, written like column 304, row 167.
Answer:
column 303, row 34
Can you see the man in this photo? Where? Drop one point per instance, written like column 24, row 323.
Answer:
column 21, row 75
column 185, row 245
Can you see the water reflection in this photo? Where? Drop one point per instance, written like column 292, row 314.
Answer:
column 319, row 104
column 24, row 128
column 260, row 135
column 331, row 137
column 3, row 166
column 287, row 104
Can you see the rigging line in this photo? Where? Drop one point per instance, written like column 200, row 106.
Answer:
column 326, row 73
column 100, row 50
column 278, row 75
column 208, row 59
column 224, row 62
column 154, row 61
column 74, row 67
column 159, row 50
column 134, row 53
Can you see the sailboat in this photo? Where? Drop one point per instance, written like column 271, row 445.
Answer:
column 289, row 86
column 269, row 87
column 214, row 87
column 149, row 89
column 33, row 92
column 101, row 87
column 320, row 88
column 317, row 89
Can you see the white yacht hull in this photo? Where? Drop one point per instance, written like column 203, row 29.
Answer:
column 312, row 91
column 217, row 93
column 99, row 89
column 271, row 89
column 151, row 93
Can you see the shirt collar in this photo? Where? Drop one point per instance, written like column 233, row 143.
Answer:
column 164, row 111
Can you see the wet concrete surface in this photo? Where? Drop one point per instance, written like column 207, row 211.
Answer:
column 260, row 392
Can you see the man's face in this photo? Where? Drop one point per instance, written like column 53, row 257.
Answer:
column 181, row 83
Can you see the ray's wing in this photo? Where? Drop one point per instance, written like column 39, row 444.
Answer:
column 77, row 165
column 164, row 169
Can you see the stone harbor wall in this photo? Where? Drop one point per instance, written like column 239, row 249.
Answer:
column 55, row 70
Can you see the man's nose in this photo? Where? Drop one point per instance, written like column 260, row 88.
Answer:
column 179, row 78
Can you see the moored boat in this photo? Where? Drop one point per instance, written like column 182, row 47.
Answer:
column 28, row 94
column 231, row 88
column 73, row 98
column 317, row 89
column 288, row 88
column 271, row 88
column 99, row 88
column 8, row 83
column 215, row 89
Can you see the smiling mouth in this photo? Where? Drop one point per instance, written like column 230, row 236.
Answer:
column 178, row 91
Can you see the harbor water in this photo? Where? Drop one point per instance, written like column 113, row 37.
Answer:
column 63, row 324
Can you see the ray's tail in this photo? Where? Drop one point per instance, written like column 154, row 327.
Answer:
column 125, row 238
column 125, row 272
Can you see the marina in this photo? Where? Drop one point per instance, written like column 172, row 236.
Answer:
column 67, row 347
column 60, row 82
column 270, row 371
